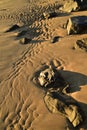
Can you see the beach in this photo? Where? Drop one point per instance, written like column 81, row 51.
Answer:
column 21, row 100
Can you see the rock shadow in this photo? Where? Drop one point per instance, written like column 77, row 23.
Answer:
column 75, row 80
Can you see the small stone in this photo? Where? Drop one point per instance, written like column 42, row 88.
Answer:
column 25, row 40
column 54, row 39
column 48, row 15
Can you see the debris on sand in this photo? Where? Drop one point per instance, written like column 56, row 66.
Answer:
column 57, row 102
column 77, row 25
column 74, row 5
column 13, row 28
column 81, row 44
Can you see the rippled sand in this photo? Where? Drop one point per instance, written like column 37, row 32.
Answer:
column 21, row 101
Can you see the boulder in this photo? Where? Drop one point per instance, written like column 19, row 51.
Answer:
column 81, row 44
column 25, row 40
column 74, row 5
column 77, row 25
column 59, row 103
column 47, row 77
column 50, row 78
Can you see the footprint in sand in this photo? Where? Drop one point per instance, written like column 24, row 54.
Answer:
column 56, row 63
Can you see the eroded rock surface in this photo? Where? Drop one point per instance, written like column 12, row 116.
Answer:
column 57, row 102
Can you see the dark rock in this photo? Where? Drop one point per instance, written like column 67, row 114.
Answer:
column 13, row 28
column 25, row 40
column 74, row 5
column 47, row 77
column 81, row 44
column 48, row 15
column 77, row 25
column 54, row 39
column 64, row 104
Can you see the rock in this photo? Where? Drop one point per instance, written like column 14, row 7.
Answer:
column 77, row 25
column 69, row 6
column 74, row 5
column 54, row 39
column 13, row 28
column 47, row 77
column 81, row 44
column 25, row 40
column 64, row 104
column 50, row 78
column 48, row 15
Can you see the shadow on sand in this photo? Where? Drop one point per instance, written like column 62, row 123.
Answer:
column 74, row 79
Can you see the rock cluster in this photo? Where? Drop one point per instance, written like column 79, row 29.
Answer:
column 56, row 99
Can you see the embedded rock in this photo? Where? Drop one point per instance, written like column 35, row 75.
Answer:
column 57, row 102
column 77, row 25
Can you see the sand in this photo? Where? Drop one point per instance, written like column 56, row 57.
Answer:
column 21, row 101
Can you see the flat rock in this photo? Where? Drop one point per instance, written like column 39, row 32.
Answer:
column 77, row 25
column 81, row 44
column 59, row 103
